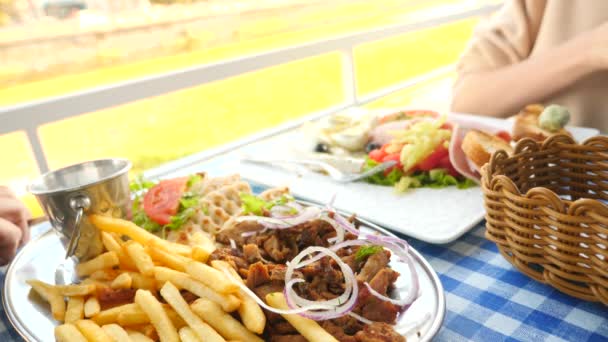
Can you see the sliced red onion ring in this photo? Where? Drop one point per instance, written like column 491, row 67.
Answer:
column 253, row 232
column 400, row 252
column 382, row 297
column 341, row 306
column 339, row 230
column 283, row 212
column 263, row 304
column 360, row 318
column 305, row 215
column 344, row 223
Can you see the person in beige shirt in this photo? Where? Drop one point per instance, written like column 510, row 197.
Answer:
column 538, row 51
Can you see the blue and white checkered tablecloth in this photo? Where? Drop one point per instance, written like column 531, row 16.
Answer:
column 489, row 300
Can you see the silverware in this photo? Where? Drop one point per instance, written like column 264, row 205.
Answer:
column 333, row 172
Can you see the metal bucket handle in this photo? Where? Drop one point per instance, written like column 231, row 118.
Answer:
column 80, row 204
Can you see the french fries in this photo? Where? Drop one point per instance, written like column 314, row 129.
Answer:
column 171, row 294
column 123, row 281
column 52, row 295
column 111, row 315
column 75, row 309
column 186, row 334
column 211, row 277
column 142, row 260
column 131, row 318
column 202, row 247
column 137, row 316
column 112, row 244
column 139, row 281
column 225, row 324
column 136, row 336
column 76, row 290
column 68, row 333
column 116, row 332
column 158, row 317
column 106, row 260
column 130, row 229
column 174, row 261
column 310, row 329
column 250, row 312
column 183, row 281
column 92, row 331
column 91, row 307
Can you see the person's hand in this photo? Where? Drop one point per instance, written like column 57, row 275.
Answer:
column 14, row 230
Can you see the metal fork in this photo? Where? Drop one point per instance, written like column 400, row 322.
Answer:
column 332, row 171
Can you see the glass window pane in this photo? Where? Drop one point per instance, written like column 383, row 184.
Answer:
column 167, row 127
column 49, row 52
column 390, row 61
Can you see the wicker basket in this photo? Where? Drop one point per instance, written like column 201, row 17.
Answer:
column 546, row 211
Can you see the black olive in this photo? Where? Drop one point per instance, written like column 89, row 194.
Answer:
column 371, row 146
column 322, row 148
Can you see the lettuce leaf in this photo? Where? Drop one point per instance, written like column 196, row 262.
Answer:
column 252, row 204
column 366, row 251
column 379, row 178
column 437, row 178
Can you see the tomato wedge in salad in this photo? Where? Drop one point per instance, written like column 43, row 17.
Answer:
column 432, row 161
column 162, row 200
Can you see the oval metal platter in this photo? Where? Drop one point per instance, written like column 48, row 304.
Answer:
column 31, row 317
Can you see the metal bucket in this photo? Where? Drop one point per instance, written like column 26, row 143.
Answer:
column 67, row 195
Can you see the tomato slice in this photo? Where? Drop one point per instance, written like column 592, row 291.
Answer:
column 376, row 155
column 433, row 159
column 504, row 135
column 445, row 163
column 162, row 200
column 408, row 114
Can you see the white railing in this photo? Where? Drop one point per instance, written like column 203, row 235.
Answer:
column 29, row 116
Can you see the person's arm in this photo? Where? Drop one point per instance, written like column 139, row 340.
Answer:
column 14, row 230
column 506, row 90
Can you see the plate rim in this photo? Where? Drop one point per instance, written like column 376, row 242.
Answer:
column 436, row 325
column 6, row 304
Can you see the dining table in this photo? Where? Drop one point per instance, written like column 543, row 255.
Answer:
column 487, row 298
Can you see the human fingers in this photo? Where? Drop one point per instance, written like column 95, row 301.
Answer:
column 10, row 237
column 15, row 211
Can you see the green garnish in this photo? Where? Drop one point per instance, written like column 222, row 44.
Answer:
column 179, row 219
column 437, row 178
column 252, row 204
column 366, row 251
column 188, row 201
column 140, row 184
column 193, row 180
column 188, row 204
column 467, row 183
column 141, row 219
column 379, row 178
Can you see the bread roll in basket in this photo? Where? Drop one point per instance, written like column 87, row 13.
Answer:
column 547, row 211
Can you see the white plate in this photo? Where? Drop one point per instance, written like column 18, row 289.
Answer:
column 432, row 215
column 31, row 316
